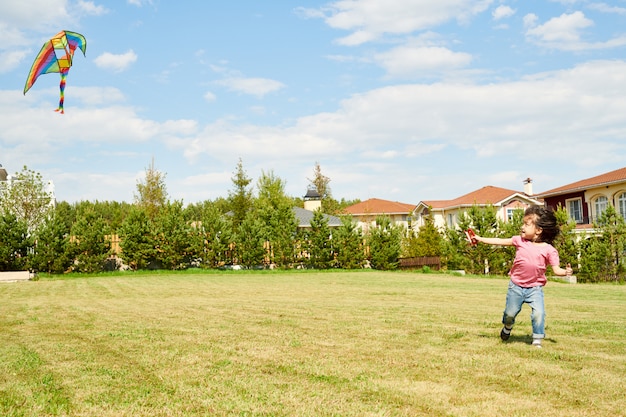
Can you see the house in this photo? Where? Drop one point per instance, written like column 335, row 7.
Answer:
column 304, row 217
column 585, row 200
column 365, row 212
column 445, row 213
column 312, row 202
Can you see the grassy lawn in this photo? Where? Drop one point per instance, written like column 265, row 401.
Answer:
column 305, row 344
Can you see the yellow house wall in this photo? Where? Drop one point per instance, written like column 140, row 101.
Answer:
column 612, row 192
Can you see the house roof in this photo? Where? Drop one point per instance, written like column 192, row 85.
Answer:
column 486, row 195
column 378, row 206
column 304, row 218
column 609, row 178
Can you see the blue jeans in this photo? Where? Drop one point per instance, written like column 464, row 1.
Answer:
column 516, row 296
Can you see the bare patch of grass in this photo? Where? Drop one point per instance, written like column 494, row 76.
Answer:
column 305, row 344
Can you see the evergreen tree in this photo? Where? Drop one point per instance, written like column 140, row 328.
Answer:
column 275, row 209
column 88, row 245
column 594, row 260
column 566, row 242
column 214, row 238
column 348, row 244
column 250, row 241
column 51, row 251
column 173, row 234
column 501, row 260
column 483, row 221
column 427, row 241
column 14, row 242
column 137, row 239
column 385, row 241
column 320, row 249
column 603, row 255
column 240, row 198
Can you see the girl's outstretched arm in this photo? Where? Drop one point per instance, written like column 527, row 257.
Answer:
column 494, row 241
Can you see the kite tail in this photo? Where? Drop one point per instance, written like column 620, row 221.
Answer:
column 62, row 92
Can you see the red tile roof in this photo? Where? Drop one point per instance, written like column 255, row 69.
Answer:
column 486, row 195
column 617, row 176
column 378, row 206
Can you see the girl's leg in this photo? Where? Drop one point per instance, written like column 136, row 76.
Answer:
column 514, row 302
column 538, row 315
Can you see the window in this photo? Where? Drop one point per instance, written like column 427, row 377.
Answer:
column 621, row 203
column 601, row 204
column 575, row 210
column 511, row 211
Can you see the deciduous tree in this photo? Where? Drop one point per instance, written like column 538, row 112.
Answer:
column 151, row 191
column 27, row 196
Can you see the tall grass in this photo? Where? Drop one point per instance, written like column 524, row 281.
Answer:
column 305, row 344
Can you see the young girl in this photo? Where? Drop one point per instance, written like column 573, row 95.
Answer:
column 534, row 251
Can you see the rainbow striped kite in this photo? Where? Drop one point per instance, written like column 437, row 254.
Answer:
column 56, row 55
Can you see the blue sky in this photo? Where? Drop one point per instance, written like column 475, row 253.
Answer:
column 405, row 100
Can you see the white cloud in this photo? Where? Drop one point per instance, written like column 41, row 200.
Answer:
column 139, row 3
column 33, row 14
column 408, row 61
column 575, row 107
column 210, row 97
column 530, row 20
column 502, row 12
column 370, row 19
column 10, row 60
column 116, row 62
column 565, row 33
column 563, row 29
column 252, row 86
column 90, row 8
column 605, row 8
column 97, row 96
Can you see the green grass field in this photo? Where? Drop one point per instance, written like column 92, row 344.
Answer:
column 362, row 343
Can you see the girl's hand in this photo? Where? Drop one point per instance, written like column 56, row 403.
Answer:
column 471, row 237
column 568, row 270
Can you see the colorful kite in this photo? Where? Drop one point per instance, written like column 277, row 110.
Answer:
column 56, row 55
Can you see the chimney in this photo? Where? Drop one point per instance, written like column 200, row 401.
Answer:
column 528, row 186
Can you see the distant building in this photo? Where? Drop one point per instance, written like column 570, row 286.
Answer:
column 586, row 200
column 312, row 199
column 445, row 213
column 366, row 212
column 312, row 202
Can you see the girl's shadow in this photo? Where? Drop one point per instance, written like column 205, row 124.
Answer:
column 526, row 339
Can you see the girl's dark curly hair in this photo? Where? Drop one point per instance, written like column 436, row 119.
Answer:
column 546, row 220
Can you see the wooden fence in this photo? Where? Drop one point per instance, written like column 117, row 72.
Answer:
column 433, row 262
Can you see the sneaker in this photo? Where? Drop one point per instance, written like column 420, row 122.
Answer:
column 537, row 343
column 505, row 334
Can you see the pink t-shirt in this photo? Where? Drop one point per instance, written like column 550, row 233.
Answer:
column 529, row 266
